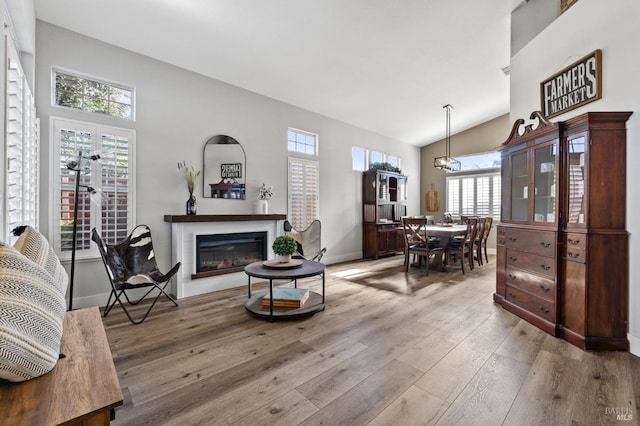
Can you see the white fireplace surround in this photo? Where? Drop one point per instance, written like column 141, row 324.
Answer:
column 183, row 247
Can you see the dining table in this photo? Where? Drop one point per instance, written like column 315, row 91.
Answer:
column 444, row 233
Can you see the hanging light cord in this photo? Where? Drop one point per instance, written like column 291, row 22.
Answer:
column 447, row 141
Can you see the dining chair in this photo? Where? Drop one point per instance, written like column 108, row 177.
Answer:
column 418, row 244
column 488, row 221
column 461, row 247
column 477, row 242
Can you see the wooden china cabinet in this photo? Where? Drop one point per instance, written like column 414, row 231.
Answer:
column 384, row 200
column 562, row 244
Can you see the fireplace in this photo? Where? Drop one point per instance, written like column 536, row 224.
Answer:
column 225, row 253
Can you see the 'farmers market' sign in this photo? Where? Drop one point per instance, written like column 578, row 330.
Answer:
column 576, row 85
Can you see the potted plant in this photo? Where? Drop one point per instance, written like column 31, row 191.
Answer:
column 284, row 246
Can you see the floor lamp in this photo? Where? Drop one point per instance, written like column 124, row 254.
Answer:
column 76, row 167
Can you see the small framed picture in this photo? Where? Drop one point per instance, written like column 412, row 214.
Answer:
column 566, row 4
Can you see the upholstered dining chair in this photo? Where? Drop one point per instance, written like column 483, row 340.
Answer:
column 417, row 243
column 462, row 247
column 308, row 240
column 131, row 265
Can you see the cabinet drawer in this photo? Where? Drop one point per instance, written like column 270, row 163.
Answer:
column 537, row 306
column 575, row 248
column 538, row 242
column 529, row 262
column 577, row 241
column 575, row 254
column 533, row 284
column 501, row 236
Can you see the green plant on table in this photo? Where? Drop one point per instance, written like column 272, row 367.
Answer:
column 284, row 245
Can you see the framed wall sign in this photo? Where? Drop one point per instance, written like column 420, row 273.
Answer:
column 231, row 171
column 576, row 85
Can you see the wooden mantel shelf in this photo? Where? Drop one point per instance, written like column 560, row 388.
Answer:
column 183, row 218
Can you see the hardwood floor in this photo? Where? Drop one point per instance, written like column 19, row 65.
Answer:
column 390, row 348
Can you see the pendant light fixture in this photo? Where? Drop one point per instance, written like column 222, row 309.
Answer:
column 446, row 162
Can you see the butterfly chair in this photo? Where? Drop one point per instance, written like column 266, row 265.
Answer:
column 419, row 244
column 308, row 241
column 131, row 265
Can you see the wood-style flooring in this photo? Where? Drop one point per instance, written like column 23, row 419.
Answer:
column 389, row 349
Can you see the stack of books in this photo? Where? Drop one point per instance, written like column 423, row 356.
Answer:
column 285, row 297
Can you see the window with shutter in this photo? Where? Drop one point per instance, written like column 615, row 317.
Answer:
column 474, row 195
column 22, row 149
column 111, row 210
column 303, row 192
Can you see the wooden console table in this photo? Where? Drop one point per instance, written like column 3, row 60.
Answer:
column 82, row 388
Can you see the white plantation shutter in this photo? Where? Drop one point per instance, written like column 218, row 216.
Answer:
column 112, row 211
column 22, row 149
column 474, row 195
column 453, row 196
column 468, row 195
column 496, row 201
column 482, row 196
column 303, row 192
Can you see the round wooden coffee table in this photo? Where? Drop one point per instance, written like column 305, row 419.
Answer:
column 306, row 269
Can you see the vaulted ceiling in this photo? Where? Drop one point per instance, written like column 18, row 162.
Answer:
column 388, row 66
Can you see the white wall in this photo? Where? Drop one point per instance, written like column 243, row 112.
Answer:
column 177, row 111
column 586, row 26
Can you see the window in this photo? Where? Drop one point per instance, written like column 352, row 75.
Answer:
column 358, row 159
column 475, row 194
column 112, row 209
column 362, row 158
column 93, row 95
column 376, row 157
column 21, row 149
column 302, row 142
column 304, row 188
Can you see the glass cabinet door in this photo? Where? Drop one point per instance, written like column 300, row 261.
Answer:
column 520, row 186
column 544, row 183
column 383, row 187
column 576, row 160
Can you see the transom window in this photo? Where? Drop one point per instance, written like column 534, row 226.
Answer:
column 302, row 142
column 362, row 158
column 93, row 95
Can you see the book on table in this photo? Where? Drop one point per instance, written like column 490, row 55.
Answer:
column 286, row 297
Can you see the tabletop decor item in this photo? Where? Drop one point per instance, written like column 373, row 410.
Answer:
column 190, row 175
column 284, row 246
column 265, row 193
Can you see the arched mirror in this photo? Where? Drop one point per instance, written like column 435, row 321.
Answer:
column 224, row 171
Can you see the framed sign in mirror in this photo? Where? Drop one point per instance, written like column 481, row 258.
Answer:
column 224, row 168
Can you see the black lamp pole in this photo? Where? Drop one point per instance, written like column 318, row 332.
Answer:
column 75, row 234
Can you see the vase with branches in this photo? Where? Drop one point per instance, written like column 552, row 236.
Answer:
column 265, row 193
column 189, row 174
